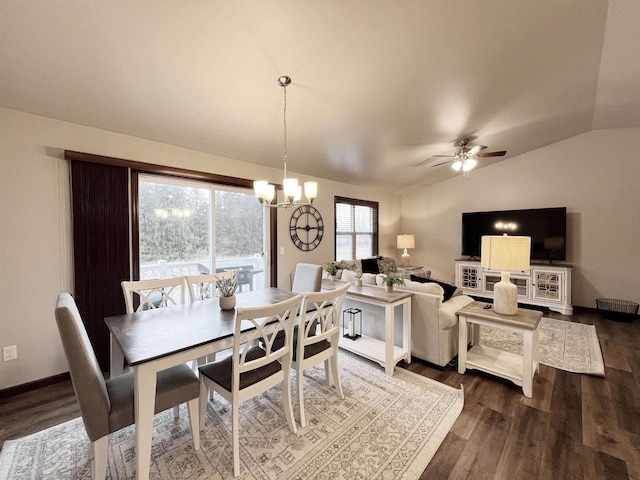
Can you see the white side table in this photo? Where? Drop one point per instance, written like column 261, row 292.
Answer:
column 519, row 369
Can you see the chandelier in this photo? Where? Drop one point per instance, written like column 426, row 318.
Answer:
column 266, row 192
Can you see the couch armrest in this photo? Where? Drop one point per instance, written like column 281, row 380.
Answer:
column 447, row 317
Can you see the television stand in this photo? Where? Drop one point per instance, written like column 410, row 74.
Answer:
column 543, row 285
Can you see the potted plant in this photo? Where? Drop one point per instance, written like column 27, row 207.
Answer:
column 227, row 287
column 391, row 280
column 359, row 278
column 332, row 270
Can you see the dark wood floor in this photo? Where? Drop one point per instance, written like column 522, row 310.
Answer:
column 574, row 427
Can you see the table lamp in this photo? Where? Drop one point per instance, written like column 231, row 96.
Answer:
column 505, row 253
column 406, row 241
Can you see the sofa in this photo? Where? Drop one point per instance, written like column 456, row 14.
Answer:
column 434, row 323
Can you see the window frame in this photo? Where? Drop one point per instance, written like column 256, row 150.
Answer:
column 354, row 202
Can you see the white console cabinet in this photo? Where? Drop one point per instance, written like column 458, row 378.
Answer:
column 544, row 285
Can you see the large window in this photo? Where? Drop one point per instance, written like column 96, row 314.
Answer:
column 356, row 228
column 190, row 227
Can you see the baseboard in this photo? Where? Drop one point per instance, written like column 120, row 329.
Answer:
column 30, row 386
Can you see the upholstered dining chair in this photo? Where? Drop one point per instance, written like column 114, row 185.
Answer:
column 107, row 405
column 252, row 369
column 318, row 335
column 307, row 278
column 153, row 293
column 202, row 287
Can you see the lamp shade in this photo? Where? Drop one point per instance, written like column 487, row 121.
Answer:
column 406, row 241
column 505, row 252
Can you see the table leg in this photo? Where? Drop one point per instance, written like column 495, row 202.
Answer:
column 462, row 344
column 527, row 363
column 388, row 340
column 536, row 350
column 406, row 328
column 116, row 360
column 144, row 397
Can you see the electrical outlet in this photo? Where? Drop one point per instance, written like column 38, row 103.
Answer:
column 9, row 353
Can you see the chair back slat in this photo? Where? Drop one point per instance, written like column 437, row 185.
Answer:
column 267, row 322
column 323, row 321
column 152, row 294
column 203, row 287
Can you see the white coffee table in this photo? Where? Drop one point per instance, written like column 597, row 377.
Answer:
column 519, row 369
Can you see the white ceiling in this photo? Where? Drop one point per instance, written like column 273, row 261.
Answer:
column 378, row 86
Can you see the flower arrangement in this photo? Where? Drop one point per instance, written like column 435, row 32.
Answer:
column 391, row 280
column 358, row 274
column 331, row 268
column 227, row 286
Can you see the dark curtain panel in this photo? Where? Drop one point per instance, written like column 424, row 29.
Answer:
column 100, row 205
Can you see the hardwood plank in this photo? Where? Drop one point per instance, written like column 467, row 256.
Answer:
column 524, row 446
column 563, row 456
column 599, row 423
column 445, row 458
column 543, row 389
column 483, row 450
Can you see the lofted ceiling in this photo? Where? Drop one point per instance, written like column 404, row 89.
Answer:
column 378, row 86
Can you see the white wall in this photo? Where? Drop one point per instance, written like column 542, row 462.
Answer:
column 596, row 175
column 35, row 225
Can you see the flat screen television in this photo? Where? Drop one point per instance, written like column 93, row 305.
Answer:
column 547, row 228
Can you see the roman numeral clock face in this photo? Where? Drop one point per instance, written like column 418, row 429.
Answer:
column 306, row 228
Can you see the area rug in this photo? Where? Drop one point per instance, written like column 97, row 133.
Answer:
column 385, row 428
column 565, row 345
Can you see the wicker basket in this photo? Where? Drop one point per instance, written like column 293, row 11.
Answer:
column 612, row 309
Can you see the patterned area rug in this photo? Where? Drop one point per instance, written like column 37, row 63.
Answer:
column 385, row 428
column 565, row 345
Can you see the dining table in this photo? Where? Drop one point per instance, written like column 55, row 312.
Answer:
column 157, row 339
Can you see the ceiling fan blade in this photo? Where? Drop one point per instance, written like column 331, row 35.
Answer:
column 493, row 154
column 441, row 163
column 442, row 156
column 475, row 150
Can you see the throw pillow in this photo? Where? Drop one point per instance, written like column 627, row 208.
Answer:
column 449, row 289
column 370, row 265
column 348, row 276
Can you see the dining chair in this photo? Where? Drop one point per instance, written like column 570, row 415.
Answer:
column 252, row 369
column 202, row 287
column 318, row 335
column 157, row 293
column 307, row 278
column 151, row 294
column 107, row 406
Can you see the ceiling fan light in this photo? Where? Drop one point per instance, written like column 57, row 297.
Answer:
column 457, row 165
column 469, row 165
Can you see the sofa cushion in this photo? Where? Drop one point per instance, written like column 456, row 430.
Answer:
column 432, row 288
column 449, row 289
column 370, row 265
column 368, row 279
column 348, row 276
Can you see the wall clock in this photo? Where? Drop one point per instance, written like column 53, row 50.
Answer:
column 306, row 228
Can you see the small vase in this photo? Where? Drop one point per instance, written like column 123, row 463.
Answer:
column 358, row 282
column 228, row 303
column 388, row 288
column 333, row 278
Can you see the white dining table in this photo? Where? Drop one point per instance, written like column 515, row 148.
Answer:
column 157, row 339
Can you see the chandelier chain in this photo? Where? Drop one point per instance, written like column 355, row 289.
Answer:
column 284, row 116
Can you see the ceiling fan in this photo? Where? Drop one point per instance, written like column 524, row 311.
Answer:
column 465, row 158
